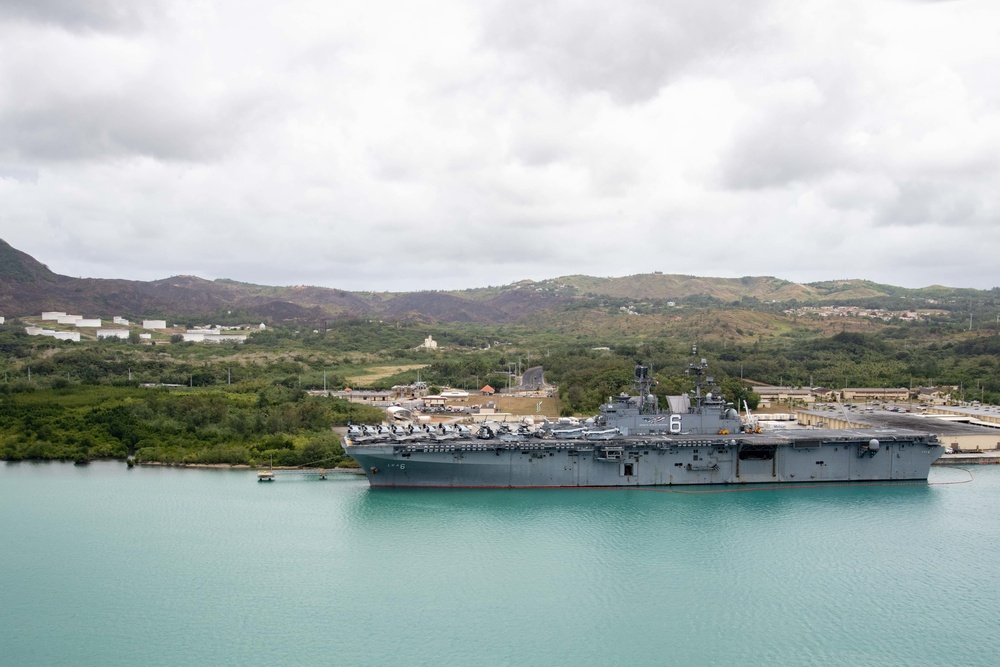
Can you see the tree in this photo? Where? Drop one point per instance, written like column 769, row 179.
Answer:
column 736, row 390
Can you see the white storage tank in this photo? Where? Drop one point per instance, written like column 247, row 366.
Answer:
column 113, row 333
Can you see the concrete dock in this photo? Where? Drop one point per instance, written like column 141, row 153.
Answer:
column 969, row 458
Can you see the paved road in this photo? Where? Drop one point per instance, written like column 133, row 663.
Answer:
column 533, row 377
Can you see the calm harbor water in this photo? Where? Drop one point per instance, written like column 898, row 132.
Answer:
column 100, row 565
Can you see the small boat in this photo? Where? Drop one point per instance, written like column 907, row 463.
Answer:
column 266, row 475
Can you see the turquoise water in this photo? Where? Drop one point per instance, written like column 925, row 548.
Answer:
column 100, row 565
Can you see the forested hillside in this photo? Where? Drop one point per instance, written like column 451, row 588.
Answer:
column 197, row 403
column 249, row 403
column 27, row 287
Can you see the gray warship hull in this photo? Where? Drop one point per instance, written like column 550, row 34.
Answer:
column 857, row 455
column 631, row 442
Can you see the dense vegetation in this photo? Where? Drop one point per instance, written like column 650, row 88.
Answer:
column 274, row 424
column 248, row 403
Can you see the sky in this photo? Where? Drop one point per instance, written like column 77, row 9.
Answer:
column 393, row 145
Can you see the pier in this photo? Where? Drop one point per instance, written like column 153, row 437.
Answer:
column 969, row 458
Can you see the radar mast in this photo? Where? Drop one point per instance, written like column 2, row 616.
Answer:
column 698, row 370
column 643, row 384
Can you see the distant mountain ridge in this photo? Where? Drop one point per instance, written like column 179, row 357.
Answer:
column 28, row 287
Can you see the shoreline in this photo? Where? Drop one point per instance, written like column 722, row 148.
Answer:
column 235, row 466
column 166, row 464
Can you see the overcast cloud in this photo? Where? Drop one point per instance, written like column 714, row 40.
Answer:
column 390, row 145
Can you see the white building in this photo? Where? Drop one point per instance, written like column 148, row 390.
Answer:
column 143, row 336
column 83, row 322
column 52, row 315
column 3, row 320
column 69, row 319
column 119, row 320
column 154, row 324
column 430, row 343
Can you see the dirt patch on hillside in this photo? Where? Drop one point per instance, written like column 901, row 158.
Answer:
column 381, row 372
column 522, row 406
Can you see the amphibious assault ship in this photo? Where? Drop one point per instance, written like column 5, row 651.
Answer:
column 697, row 439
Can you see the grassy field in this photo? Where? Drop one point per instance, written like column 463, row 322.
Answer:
column 515, row 405
column 380, row 372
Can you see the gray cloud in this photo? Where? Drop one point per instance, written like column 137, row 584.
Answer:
column 921, row 202
column 392, row 145
column 127, row 124
column 629, row 50
column 16, row 172
column 87, row 97
column 76, row 15
column 780, row 149
column 798, row 121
